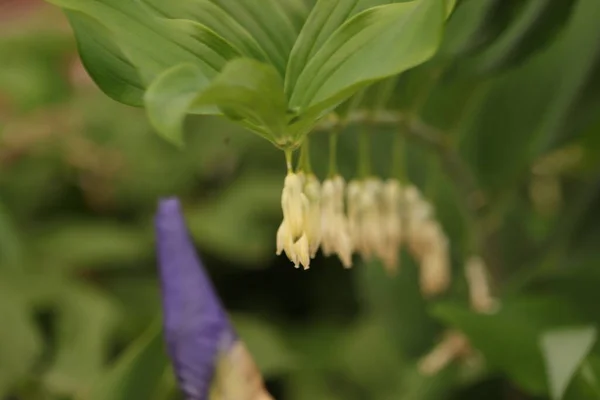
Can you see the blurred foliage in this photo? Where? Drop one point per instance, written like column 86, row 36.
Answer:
column 515, row 91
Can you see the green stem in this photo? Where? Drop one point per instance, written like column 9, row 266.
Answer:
column 399, row 156
column 364, row 153
column 304, row 160
column 333, row 139
column 432, row 178
column 289, row 156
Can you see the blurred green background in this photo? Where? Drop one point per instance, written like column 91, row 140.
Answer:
column 80, row 176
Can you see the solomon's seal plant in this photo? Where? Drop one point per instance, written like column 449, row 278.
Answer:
column 278, row 68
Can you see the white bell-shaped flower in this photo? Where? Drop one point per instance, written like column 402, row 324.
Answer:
column 364, row 214
column 299, row 234
column 427, row 243
column 391, row 220
column 334, row 224
column 312, row 214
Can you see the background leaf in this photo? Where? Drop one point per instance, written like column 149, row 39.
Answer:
column 137, row 372
column 564, row 351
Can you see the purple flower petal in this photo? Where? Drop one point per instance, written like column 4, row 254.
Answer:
column 196, row 326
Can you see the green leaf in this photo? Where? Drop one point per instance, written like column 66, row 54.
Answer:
column 474, row 24
column 154, row 44
column 325, row 17
column 251, row 91
column 564, row 351
column 358, row 53
column 246, row 90
column 558, row 73
column 450, row 6
column 86, row 320
column 137, row 373
column 509, row 338
column 272, row 23
column 88, row 244
column 109, row 68
column 170, row 97
column 536, row 25
column 213, row 17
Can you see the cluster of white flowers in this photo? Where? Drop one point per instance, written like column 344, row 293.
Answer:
column 379, row 216
column 427, row 242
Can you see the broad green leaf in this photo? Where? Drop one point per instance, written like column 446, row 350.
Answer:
column 271, row 24
column 170, row 96
column 358, row 53
column 85, row 321
column 362, row 5
column 450, row 6
column 558, row 73
column 109, row 68
column 88, row 244
column 137, row 373
column 250, row 92
column 509, row 339
column 154, row 44
column 213, row 17
column 474, row 24
column 536, row 25
column 564, row 350
column 246, row 90
column 324, row 19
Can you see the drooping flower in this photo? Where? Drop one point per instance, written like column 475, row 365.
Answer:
column 391, row 220
column 299, row 234
column 454, row 345
column 480, row 295
column 364, row 215
column 209, row 359
column 427, row 242
column 334, row 224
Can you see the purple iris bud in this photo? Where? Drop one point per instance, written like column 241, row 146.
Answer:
column 196, row 326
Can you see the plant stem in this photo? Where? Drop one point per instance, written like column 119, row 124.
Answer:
column 304, row 159
column 333, row 139
column 398, row 170
column 289, row 156
column 364, row 153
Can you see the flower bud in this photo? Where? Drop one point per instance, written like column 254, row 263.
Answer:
column 454, row 345
column 479, row 289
